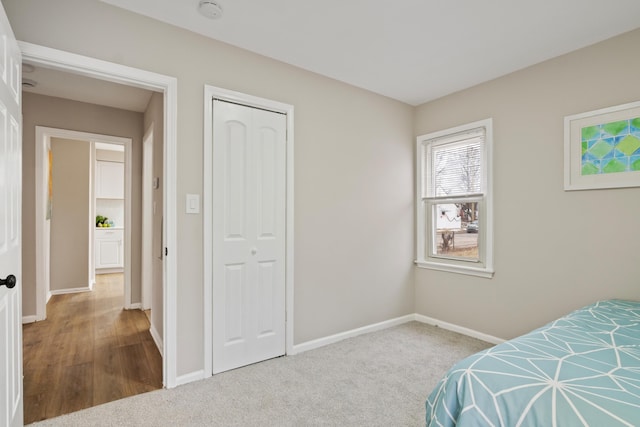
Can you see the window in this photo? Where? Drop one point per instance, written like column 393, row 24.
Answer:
column 454, row 208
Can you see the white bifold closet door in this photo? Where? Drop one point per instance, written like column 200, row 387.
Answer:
column 249, row 241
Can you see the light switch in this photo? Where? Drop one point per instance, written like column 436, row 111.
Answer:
column 193, row 204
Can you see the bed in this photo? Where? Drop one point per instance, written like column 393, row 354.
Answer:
column 580, row 370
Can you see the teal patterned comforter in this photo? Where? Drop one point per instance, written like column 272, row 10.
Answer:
column 580, row 370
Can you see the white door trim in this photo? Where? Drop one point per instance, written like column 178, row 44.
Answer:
column 43, row 141
column 168, row 85
column 211, row 92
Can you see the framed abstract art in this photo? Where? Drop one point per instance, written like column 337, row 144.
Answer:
column 602, row 148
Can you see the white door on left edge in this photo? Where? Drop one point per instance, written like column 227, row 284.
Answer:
column 10, row 228
column 249, row 218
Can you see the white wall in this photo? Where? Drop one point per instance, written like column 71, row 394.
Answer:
column 353, row 166
column 112, row 209
column 554, row 250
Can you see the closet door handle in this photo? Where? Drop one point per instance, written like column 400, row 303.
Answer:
column 9, row 282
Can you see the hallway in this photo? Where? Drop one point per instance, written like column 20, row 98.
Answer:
column 89, row 351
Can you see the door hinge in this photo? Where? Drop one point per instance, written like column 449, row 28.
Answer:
column 166, row 251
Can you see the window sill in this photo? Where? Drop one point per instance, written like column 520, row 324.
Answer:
column 459, row 269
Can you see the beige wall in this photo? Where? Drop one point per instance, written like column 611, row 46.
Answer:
column 110, row 155
column 554, row 250
column 64, row 114
column 154, row 120
column 353, row 166
column 70, row 222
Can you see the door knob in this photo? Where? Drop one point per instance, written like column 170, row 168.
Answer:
column 9, row 282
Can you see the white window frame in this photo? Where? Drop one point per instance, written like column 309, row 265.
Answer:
column 483, row 267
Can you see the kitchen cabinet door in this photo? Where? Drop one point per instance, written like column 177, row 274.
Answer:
column 108, row 249
column 109, row 180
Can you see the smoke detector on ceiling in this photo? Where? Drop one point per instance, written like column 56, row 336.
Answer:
column 210, row 9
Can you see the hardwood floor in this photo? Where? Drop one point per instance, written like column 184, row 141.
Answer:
column 89, row 351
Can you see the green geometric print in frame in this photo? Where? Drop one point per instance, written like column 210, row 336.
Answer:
column 612, row 147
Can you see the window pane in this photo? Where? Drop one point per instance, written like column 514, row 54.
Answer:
column 456, row 230
column 456, row 168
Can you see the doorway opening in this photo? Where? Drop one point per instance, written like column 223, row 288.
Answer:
column 84, row 67
column 87, row 146
column 167, row 86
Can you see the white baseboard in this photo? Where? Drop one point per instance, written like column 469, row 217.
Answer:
column 191, row 377
column 134, row 306
column 459, row 329
column 29, row 319
column 70, row 290
column 156, row 339
column 321, row 342
column 109, row 270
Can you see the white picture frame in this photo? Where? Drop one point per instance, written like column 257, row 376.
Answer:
column 599, row 151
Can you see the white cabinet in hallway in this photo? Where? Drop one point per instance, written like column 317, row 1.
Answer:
column 108, row 249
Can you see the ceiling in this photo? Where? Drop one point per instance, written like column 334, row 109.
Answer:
column 410, row 50
column 60, row 84
column 413, row 51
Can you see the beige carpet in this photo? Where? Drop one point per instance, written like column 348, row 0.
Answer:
column 377, row 379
